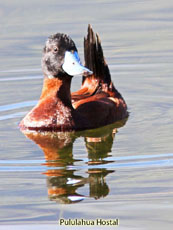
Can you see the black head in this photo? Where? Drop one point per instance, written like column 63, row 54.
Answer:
column 54, row 52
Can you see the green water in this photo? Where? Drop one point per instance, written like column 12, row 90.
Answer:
column 124, row 172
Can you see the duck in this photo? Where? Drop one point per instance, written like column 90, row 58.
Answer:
column 97, row 103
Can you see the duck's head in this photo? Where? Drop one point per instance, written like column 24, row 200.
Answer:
column 60, row 58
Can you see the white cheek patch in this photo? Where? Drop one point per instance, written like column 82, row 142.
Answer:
column 73, row 66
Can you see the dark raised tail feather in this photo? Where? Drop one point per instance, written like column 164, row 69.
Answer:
column 94, row 58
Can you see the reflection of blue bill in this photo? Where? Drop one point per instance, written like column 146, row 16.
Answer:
column 76, row 198
column 73, row 66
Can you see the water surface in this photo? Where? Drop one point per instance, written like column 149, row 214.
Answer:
column 118, row 172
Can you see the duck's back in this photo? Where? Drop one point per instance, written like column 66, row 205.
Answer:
column 98, row 100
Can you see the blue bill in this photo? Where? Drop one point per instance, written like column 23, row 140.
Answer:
column 73, row 66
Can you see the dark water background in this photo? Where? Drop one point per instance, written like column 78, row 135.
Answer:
column 124, row 173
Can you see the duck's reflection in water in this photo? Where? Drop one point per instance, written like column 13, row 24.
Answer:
column 63, row 174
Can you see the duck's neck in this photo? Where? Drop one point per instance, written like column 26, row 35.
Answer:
column 57, row 88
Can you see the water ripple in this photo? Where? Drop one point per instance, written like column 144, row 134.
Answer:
column 131, row 162
column 11, row 116
column 17, row 105
column 21, row 78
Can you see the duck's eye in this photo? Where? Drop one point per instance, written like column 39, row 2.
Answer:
column 55, row 49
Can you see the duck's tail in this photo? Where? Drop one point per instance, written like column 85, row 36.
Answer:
column 94, row 57
column 100, row 80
